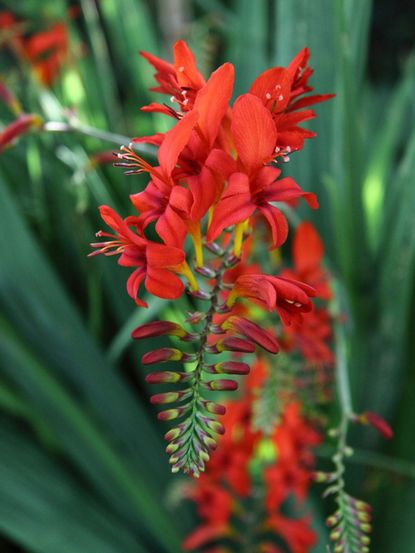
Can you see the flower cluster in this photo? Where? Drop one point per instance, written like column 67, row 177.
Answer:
column 249, row 480
column 213, row 185
column 44, row 51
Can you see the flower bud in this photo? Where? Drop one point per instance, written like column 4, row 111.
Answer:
column 158, row 328
column 171, row 414
column 167, row 377
column 213, row 407
column 234, row 344
column 229, row 367
column 170, row 397
column 162, row 355
column 253, row 332
column 221, row 384
column 175, row 432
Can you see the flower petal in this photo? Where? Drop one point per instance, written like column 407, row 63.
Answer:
column 174, row 142
column 163, row 283
column 171, row 228
column 234, row 207
column 212, row 101
column 161, row 256
column 185, row 65
column 253, row 132
column 277, row 222
column 133, row 284
column 308, row 249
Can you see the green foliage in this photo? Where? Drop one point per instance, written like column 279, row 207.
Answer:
column 81, row 463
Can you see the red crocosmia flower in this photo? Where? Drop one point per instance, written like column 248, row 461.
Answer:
column 280, row 89
column 311, row 337
column 296, row 533
column 294, row 439
column 375, row 420
column 156, row 263
column 47, row 50
column 255, row 186
column 205, row 534
column 290, row 298
column 180, row 80
column 308, row 252
column 163, row 200
column 22, row 125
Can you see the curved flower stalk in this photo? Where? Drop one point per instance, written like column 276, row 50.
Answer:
column 214, row 181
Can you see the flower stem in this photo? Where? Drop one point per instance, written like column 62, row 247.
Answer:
column 75, row 126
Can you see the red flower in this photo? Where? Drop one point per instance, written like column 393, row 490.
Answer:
column 156, row 263
column 308, row 252
column 293, row 438
column 160, row 200
column 180, row 80
column 20, row 126
column 311, row 337
column 375, row 420
column 297, row 534
column 289, row 297
column 254, row 186
column 280, row 89
column 47, row 50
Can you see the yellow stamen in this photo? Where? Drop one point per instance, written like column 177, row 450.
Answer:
column 238, row 239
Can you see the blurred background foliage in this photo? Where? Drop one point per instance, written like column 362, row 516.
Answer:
column 82, row 467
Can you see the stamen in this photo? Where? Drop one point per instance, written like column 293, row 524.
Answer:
column 268, row 96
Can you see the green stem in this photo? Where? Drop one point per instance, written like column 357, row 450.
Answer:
column 192, row 453
column 71, row 127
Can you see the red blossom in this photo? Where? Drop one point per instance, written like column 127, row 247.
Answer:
column 22, row 125
column 254, row 186
column 307, row 253
column 181, row 80
column 280, row 90
column 296, row 533
column 290, row 298
column 156, row 263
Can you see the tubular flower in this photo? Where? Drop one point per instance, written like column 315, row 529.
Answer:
column 22, row 125
column 307, row 254
column 290, row 298
column 180, row 80
column 254, row 186
column 280, row 90
column 157, row 264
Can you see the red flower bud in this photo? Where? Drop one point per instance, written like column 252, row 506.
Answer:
column 164, row 377
column 213, row 407
column 377, row 422
column 170, row 397
column 229, row 367
column 254, row 332
column 234, row 344
column 161, row 356
column 222, row 384
column 20, row 126
column 158, row 328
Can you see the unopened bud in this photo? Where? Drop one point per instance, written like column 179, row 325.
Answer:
column 234, row 344
column 162, row 355
column 229, row 367
column 158, row 328
column 221, row 384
